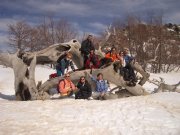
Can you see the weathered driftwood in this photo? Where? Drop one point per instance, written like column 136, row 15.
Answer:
column 25, row 80
column 145, row 75
column 162, row 86
column 25, row 86
column 108, row 73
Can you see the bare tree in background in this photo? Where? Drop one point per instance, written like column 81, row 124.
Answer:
column 22, row 36
column 18, row 35
column 64, row 31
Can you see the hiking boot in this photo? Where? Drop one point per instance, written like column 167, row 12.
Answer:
column 130, row 84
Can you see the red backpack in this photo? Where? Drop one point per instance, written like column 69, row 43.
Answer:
column 52, row 75
column 59, row 83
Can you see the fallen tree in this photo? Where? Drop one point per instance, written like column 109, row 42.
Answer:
column 25, row 86
column 23, row 64
column 162, row 86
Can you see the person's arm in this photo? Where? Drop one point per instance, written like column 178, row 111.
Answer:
column 78, row 85
column 73, row 86
column 72, row 65
column 93, row 78
column 105, row 85
column 89, row 89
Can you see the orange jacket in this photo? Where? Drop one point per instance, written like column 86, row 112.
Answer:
column 114, row 57
column 65, row 85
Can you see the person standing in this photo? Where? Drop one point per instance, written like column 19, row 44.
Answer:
column 86, row 46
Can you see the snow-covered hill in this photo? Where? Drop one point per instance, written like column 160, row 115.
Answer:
column 143, row 115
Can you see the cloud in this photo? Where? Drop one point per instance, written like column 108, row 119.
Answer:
column 4, row 22
column 87, row 16
column 61, row 7
column 3, row 42
column 97, row 26
column 173, row 18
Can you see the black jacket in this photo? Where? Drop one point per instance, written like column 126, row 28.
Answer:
column 84, row 91
column 86, row 46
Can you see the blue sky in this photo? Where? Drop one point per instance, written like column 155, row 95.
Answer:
column 90, row 16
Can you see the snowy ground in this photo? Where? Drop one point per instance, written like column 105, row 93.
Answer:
column 143, row 115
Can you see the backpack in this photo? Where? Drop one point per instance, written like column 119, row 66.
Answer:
column 70, row 94
column 59, row 83
column 53, row 75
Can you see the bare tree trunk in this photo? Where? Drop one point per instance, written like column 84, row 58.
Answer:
column 162, row 86
column 25, row 86
column 139, row 69
column 25, row 80
column 108, row 73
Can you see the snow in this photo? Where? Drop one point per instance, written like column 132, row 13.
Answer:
column 141, row 115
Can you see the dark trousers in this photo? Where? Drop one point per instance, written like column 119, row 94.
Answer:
column 128, row 73
column 85, row 59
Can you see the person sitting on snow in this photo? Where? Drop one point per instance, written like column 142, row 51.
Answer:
column 92, row 61
column 66, row 86
column 84, row 89
column 101, row 87
column 64, row 63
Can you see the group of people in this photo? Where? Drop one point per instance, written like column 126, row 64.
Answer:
column 83, row 89
column 91, row 60
column 123, row 57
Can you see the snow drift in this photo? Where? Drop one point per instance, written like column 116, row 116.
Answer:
column 155, row 114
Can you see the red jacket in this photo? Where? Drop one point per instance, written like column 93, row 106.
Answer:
column 114, row 57
column 92, row 62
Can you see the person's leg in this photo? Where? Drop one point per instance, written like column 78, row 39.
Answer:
column 126, row 74
column 95, row 95
column 132, row 75
column 62, row 71
column 85, row 59
column 59, row 73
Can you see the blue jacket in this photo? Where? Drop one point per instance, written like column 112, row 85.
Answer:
column 101, row 85
column 64, row 63
column 128, row 58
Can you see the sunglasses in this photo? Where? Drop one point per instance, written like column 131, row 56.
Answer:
column 67, row 76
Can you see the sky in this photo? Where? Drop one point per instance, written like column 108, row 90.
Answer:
column 89, row 16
